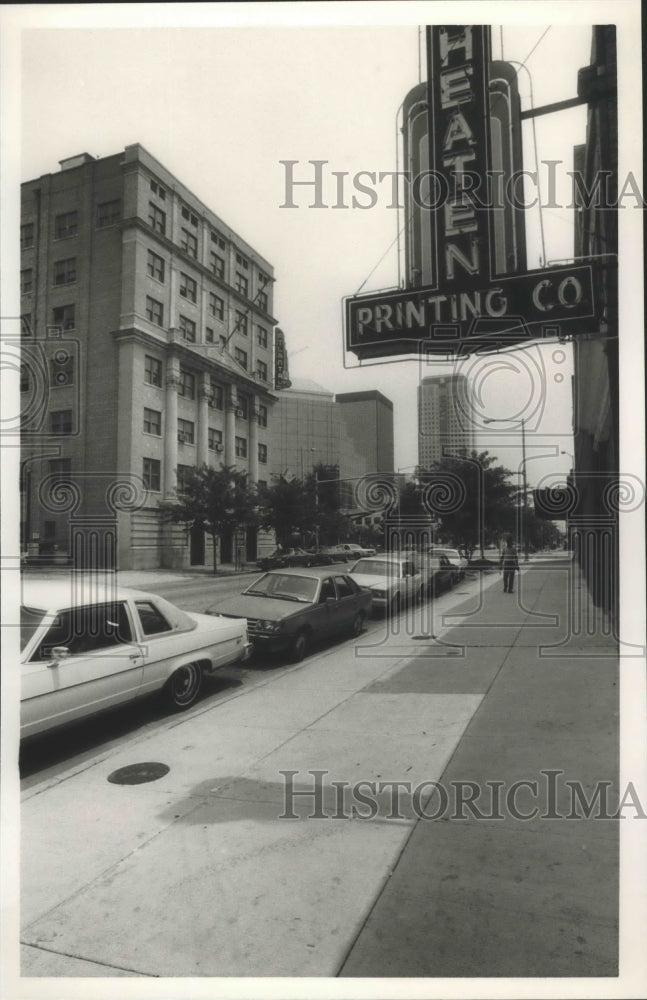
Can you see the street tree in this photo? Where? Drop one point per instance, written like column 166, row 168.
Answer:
column 330, row 494
column 219, row 501
column 286, row 506
column 472, row 497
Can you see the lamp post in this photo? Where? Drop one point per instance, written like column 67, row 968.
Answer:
column 524, row 508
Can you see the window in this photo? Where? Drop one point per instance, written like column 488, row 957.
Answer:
column 327, row 590
column 156, row 218
column 263, row 279
column 261, row 336
column 262, row 301
column 189, row 243
column 152, row 619
column 261, row 371
column 262, row 453
column 158, row 190
column 60, row 467
column 262, row 416
column 151, row 474
column 343, row 587
column 217, row 265
column 216, row 306
column 64, row 316
column 222, row 340
column 189, row 216
column 61, row 369
column 87, row 629
column 60, row 421
column 188, row 287
column 209, row 336
column 108, row 213
column 25, row 325
column 183, row 477
column 26, row 281
column 65, row 225
column 215, row 439
column 241, row 322
column 27, row 235
column 187, row 329
column 155, row 266
column 217, row 396
column 241, row 357
column 242, row 262
column 65, row 271
column 242, row 283
column 241, row 447
column 218, row 239
column 185, row 431
column 152, row 422
column 243, row 407
column 186, row 387
column 154, row 311
column 152, row 370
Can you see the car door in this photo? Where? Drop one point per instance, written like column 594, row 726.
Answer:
column 103, row 667
column 325, row 614
column 347, row 602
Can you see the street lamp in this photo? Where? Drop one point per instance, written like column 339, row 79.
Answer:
column 524, row 509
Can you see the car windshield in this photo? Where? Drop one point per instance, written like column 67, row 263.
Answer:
column 374, row 567
column 30, row 619
column 285, row 586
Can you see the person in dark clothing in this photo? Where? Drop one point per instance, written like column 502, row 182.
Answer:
column 509, row 565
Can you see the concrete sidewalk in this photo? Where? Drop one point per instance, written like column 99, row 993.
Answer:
column 197, row 874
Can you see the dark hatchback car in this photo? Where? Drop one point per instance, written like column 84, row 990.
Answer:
column 285, row 557
column 287, row 610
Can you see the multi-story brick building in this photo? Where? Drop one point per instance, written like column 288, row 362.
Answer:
column 147, row 349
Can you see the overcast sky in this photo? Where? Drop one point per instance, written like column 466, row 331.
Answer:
column 221, row 106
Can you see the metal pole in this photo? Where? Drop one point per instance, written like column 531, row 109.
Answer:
column 317, row 508
column 524, row 514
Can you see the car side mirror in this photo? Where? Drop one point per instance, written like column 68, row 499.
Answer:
column 331, row 602
column 60, row 653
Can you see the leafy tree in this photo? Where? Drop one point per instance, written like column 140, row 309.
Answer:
column 287, row 506
column 472, row 497
column 218, row 500
column 541, row 533
column 326, row 489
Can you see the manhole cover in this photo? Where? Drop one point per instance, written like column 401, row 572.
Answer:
column 138, row 774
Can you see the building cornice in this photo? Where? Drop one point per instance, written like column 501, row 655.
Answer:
column 203, row 357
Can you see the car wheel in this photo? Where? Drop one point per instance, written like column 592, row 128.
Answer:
column 183, row 686
column 358, row 625
column 299, row 648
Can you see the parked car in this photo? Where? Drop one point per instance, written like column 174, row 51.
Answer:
column 438, row 573
column 84, row 654
column 458, row 562
column 282, row 557
column 287, row 610
column 350, row 550
column 393, row 580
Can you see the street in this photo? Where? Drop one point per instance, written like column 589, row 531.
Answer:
column 47, row 756
column 237, row 860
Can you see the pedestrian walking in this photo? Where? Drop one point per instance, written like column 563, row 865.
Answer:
column 509, row 565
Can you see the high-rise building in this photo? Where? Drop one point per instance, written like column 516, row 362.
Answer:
column 368, row 421
column 147, row 349
column 445, row 421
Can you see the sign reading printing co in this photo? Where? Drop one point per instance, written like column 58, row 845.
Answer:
column 467, row 287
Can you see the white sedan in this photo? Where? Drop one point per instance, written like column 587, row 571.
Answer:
column 87, row 648
column 393, row 581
